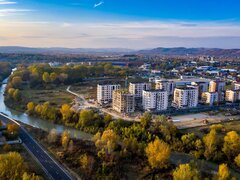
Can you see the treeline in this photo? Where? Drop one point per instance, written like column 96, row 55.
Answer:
column 5, row 70
column 44, row 75
column 148, row 146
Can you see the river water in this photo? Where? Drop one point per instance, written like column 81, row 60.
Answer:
column 37, row 122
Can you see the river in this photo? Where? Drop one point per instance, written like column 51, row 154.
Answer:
column 37, row 122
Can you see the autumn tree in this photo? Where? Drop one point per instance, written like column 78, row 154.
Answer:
column 66, row 112
column 52, row 136
column 17, row 95
column 106, row 142
column 212, row 145
column 16, row 81
column 53, row 76
column 27, row 176
column 12, row 166
column 146, row 119
column 46, row 77
column 65, row 139
column 86, row 162
column 158, row 153
column 85, row 117
column 231, row 145
column 185, row 172
column 13, row 129
column 237, row 160
column 223, row 172
column 30, row 108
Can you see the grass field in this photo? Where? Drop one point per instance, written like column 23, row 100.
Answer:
column 56, row 96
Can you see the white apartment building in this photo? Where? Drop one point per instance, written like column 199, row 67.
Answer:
column 185, row 97
column 137, row 88
column 232, row 95
column 104, row 92
column 123, row 101
column 165, row 86
column 210, row 98
column 155, row 100
column 237, row 86
column 217, row 86
column 202, row 87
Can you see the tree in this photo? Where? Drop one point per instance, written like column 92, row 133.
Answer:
column 12, row 166
column 185, row 172
column 71, row 146
column 66, row 112
column 85, row 118
column 158, row 153
column 52, row 136
column 223, row 172
column 108, row 118
column 17, row 95
column 65, row 139
column 237, row 160
column 53, row 77
column 107, row 142
column 146, row 119
column 46, row 77
column 30, row 108
column 27, row 176
column 13, row 129
column 86, row 162
column 212, row 145
column 16, row 81
column 188, row 141
column 231, row 146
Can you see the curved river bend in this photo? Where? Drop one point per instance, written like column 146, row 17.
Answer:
column 37, row 122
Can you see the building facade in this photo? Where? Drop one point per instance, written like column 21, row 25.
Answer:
column 236, row 86
column 210, row 98
column 123, row 101
column 138, row 88
column 165, row 86
column 217, row 86
column 105, row 91
column 185, row 97
column 155, row 100
column 232, row 95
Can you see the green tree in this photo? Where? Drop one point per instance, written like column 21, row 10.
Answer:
column 185, row 172
column 86, row 117
column 158, row 153
column 146, row 119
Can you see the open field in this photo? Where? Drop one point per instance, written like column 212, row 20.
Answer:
column 56, row 96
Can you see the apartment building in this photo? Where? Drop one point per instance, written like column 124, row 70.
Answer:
column 217, row 86
column 202, row 87
column 138, row 88
column 210, row 98
column 232, row 95
column 104, row 92
column 123, row 101
column 185, row 97
column 155, row 100
column 165, row 86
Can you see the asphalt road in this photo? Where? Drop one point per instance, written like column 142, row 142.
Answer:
column 53, row 169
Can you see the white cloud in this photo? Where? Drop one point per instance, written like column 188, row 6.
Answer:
column 7, row 12
column 4, row 2
column 98, row 4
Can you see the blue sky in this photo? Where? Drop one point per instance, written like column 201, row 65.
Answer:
column 120, row 23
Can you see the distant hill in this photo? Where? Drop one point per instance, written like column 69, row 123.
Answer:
column 180, row 51
column 18, row 49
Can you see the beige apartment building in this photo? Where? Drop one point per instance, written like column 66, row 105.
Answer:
column 217, row 86
column 138, row 88
column 123, row 101
column 232, row 95
column 185, row 97
column 210, row 98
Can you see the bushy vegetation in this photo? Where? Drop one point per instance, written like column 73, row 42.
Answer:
column 5, row 70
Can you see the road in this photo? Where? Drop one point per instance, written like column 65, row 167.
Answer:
column 53, row 169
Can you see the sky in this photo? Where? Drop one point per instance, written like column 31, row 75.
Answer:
column 133, row 24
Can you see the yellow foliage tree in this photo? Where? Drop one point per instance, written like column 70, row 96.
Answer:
column 66, row 112
column 12, row 166
column 108, row 141
column 86, row 162
column 27, row 176
column 12, row 128
column 158, row 153
column 65, row 139
column 231, row 145
column 185, row 172
column 237, row 160
column 223, row 172
column 30, row 107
